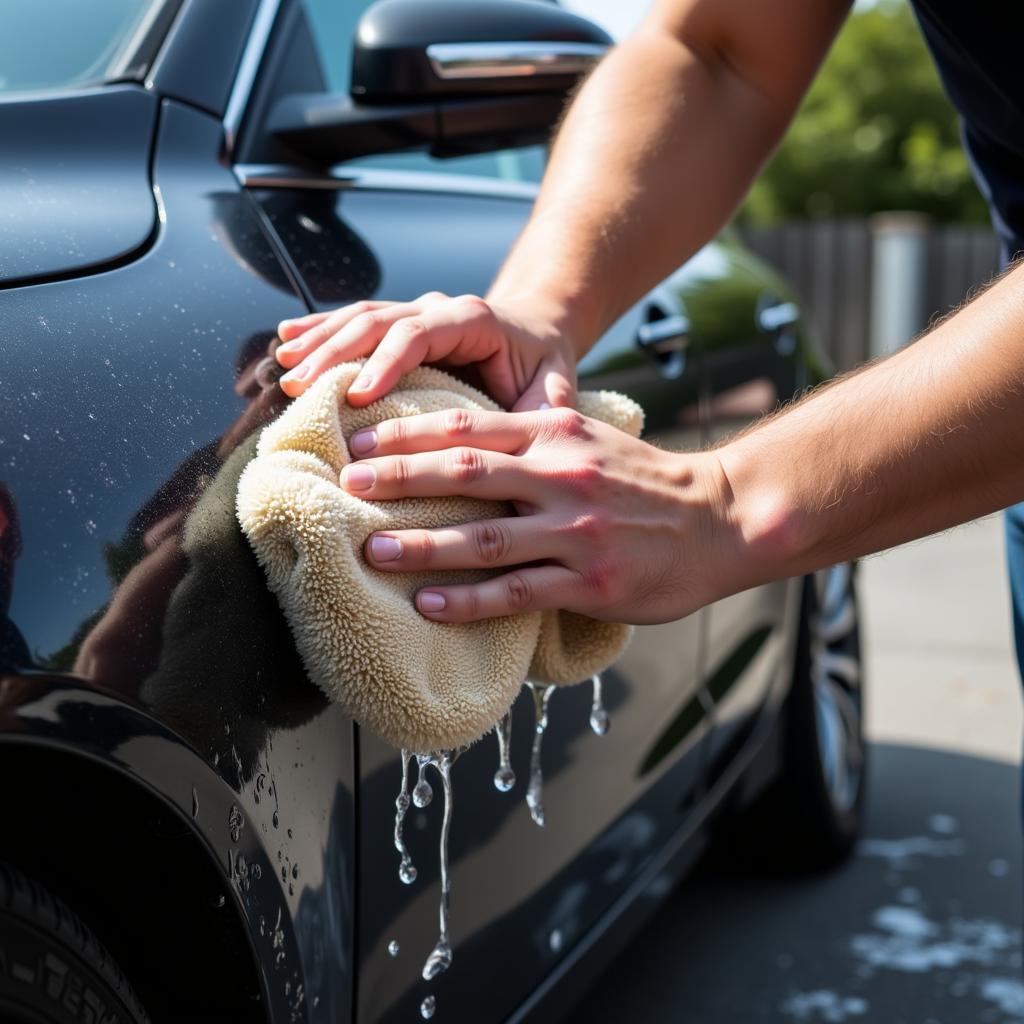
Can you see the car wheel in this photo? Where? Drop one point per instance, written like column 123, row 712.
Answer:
column 52, row 968
column 823, row 781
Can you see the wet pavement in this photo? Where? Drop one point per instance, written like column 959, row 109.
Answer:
column 923, row 925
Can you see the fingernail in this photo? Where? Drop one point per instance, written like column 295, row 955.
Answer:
column 362, row 383
column 289, row 346
column 299, row 373
column 363, row 442
column 543, row 405
column 429, row 601
column 358, row 478
column 385, row 549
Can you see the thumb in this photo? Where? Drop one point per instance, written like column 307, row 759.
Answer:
column 553, row 385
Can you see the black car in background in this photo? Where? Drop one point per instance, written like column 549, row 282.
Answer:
column 190, row 831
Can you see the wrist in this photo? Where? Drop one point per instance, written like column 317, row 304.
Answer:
column 766, row 536
column 570, row 318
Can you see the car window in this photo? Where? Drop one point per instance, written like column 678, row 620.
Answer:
column 58, row 44
column 333, row 25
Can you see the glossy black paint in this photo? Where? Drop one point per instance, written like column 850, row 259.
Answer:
column 199, row 60
column 150, row 697
column 74, row 182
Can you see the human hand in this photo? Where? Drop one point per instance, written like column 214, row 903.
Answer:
column 524, row 360
column 609, row 526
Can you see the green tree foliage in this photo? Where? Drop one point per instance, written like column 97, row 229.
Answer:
column 876, row 132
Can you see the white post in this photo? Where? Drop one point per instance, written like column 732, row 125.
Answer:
column 898, row 263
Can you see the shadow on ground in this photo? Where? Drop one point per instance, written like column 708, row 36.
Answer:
column 922, row 926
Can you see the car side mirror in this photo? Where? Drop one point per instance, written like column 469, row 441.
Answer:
column 451, row 76
column 411, row 50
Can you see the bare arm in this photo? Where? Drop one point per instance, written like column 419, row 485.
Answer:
column 931, row 437
column 659, row 148
column 654, row 155
column 617, row 529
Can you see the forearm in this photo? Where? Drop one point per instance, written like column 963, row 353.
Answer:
column 929, row 438
column 655, row 154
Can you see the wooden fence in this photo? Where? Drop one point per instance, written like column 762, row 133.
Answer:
column 834, row 265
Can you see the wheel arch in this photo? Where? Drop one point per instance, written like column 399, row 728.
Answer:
column 133, row 867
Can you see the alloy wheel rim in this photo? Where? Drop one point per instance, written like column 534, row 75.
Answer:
column 836, row 683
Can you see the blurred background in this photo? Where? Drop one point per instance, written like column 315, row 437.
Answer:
column 869, row 209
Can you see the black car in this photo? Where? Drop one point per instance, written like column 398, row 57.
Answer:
column 190, row 830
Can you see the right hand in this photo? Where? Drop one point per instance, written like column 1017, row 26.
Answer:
column 525, row 362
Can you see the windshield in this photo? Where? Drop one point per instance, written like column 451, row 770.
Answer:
column 57, row 44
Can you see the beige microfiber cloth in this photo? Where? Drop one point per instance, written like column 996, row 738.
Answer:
column 421, row 685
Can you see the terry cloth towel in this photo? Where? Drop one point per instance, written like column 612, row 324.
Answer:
column 421, row 685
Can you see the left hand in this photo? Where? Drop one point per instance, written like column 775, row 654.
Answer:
column 609, row 526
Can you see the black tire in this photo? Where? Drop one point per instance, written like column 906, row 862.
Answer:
column 822, row 790
column 52, row 968
column 812, row 815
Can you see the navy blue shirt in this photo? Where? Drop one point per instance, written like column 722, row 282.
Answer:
column 977, row 48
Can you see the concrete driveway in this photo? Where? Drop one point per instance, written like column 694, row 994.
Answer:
column 923, row 926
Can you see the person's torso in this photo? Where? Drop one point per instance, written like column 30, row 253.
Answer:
column 976, row 47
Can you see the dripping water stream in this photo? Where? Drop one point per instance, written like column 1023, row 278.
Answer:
column 535, row 790
column 598, row 716
column 504, row 777
column 440, row 958
column 406, row 869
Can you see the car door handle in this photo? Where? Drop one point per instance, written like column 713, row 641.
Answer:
column 666, row 341
column 778, row 317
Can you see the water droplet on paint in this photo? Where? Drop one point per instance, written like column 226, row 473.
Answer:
column 535, row 790
column 598, row 716
column 393, row 947
column 427, row 1007
column 504, row 777
column 406, row 869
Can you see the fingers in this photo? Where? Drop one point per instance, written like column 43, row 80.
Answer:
column 532, row 589
column 347, row 333
column 464, row 472
column 484, row 545
column 435, row 431
column 289, row 329
column 462, row 328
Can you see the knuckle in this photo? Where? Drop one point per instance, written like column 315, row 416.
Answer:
column 457, row 422
column 410, row 329
column 492, row 542
column 432, row 297
column 568, row 422
column 474, row 305
column 518, row 591
column 424, row 547
column 600, row 577
column 583, row 477
column 361, row 307
column 397, row 432
column 466, row 465
column 592, row 526
column 367, row 323
column 400, row 471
